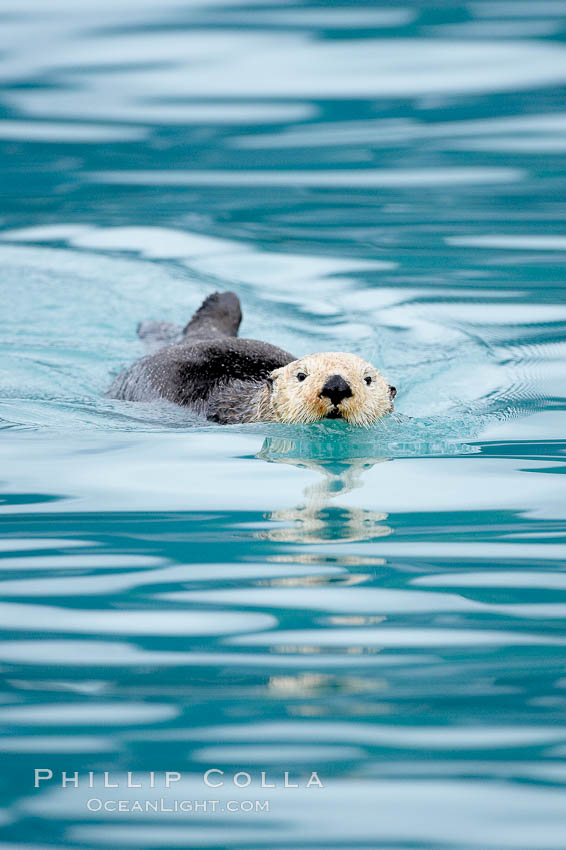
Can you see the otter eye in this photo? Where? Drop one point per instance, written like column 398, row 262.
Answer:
column 301, row 376
column 368, row 380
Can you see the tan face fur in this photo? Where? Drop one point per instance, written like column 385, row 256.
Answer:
column 331, row 385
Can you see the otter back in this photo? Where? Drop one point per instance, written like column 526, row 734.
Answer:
column 219, row 378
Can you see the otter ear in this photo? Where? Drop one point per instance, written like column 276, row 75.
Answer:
column 392, row 392
column 269, row 379
column 274, row 375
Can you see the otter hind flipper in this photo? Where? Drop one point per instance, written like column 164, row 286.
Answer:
column 156, row 335
column 218, row 316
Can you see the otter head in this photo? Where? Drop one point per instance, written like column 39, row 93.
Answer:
column 332, row 385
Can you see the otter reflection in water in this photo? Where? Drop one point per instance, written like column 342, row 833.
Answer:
column 319, row 519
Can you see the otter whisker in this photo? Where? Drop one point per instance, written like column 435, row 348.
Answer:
column 231, row 380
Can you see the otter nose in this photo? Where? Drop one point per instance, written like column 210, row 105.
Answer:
column 336, row 389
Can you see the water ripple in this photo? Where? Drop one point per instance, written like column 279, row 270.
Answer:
column 384, row 606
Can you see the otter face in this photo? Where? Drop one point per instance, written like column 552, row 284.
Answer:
column 330, row 386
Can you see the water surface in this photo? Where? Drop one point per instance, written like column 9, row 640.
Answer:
column 385, row 606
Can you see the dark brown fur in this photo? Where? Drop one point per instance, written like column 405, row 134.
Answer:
column 209, row 369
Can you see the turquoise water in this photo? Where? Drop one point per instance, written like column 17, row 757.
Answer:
column 383, row 607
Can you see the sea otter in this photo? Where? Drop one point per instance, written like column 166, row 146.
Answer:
column 206, row 367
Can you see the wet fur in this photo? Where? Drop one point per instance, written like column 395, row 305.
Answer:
column 294, row 401
column 230, row 380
